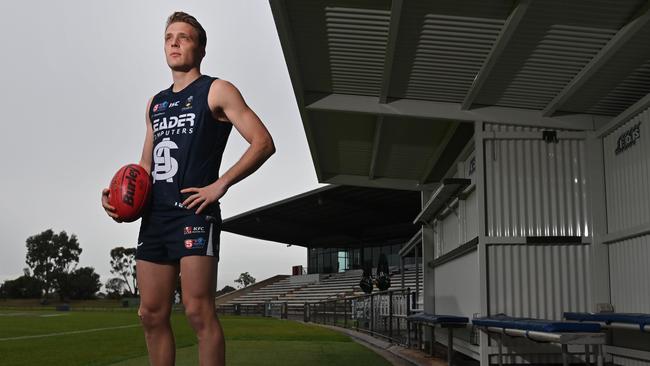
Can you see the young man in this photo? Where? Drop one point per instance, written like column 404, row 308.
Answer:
column 188, row 125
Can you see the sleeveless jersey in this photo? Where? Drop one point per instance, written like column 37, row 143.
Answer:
column 188, row 145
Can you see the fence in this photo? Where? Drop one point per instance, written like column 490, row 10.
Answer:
column 382, row 314
column 268, row 309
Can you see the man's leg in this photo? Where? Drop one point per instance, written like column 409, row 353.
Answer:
column 156, row 283
column 198, row 280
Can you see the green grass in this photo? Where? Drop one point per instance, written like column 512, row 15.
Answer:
column 249, row 341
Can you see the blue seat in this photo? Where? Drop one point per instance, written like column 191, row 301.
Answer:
column 540, row 325
column 437, row 319
column 642, row 320
column 542, row 330
column 446, row 321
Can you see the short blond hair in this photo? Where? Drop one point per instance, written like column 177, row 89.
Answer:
column 179, row 16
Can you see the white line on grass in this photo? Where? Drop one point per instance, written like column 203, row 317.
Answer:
column 66, row 333
column 51, row 315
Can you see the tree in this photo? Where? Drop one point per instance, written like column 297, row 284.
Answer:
column 123, row 266
column 23, row 287
column 245, row 279
column 49, row 255
column 84, row 283
column 226, row 289
column 114, row 287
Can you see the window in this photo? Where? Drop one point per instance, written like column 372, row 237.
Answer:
column 343, row 260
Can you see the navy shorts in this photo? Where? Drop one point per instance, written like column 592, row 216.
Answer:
column 165, row 238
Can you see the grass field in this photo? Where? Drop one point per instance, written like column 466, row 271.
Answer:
column 38, row 337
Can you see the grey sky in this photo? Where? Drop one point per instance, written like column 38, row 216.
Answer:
column 76, row 76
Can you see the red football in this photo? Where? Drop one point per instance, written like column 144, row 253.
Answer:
column 129, row 192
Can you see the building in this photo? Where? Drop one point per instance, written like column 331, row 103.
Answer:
column 540, row 106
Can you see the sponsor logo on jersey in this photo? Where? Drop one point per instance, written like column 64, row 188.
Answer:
column 194, row 243
column 165, row 165
column 175, row 104
column 173, row 125
column 160, row 107
column 188, row 102
column 193, row 230
column 184, row 120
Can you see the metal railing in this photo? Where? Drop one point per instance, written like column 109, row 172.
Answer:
column 267, row 308
column 382, row 314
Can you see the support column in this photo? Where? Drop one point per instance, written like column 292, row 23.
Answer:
column 599, row 271
column 428, row 255
column 479, row 151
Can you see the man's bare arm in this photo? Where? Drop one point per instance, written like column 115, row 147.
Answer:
column 147, row 148
column 225, row 101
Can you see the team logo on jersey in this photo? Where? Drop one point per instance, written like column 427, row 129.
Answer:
column 194, row 243
column 188, row 102
column 160, row 107
column 166, row 166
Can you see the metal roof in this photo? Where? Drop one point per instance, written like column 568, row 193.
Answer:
column 388, row 90
column 333, row 217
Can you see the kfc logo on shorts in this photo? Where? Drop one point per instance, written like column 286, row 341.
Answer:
column 193, row 230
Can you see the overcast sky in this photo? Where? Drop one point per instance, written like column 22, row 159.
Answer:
column 76, row 76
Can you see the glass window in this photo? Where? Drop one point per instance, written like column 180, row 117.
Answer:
column 343, row 260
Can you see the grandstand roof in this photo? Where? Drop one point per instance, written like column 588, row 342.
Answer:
column 388, row 90
column 333, row 216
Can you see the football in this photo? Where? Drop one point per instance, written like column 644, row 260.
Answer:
column 130, row 190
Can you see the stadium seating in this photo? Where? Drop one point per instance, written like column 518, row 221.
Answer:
column 296, row 293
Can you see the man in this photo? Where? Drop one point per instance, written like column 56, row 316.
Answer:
column 188, row 125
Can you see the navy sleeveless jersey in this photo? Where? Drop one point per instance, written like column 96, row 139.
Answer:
column 188, row 143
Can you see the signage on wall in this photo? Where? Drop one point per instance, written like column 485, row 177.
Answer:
column 628, row 138
column 471, row 166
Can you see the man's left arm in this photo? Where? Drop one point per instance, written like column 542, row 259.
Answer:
column 226, row 102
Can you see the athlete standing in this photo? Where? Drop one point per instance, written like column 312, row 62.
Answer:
column 188, row 126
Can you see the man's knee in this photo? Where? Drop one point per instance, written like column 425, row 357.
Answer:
column 153, row 318
column 199, row 313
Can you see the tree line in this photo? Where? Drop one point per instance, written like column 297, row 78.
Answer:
column 52, row 271
column 52, row 261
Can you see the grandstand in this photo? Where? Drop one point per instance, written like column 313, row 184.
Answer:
column 296, row 292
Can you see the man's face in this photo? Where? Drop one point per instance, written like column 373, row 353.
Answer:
column 182, row 49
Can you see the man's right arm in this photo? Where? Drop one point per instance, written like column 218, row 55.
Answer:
column 147, row 148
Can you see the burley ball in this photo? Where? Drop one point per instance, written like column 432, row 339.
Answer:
column 129, row 192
